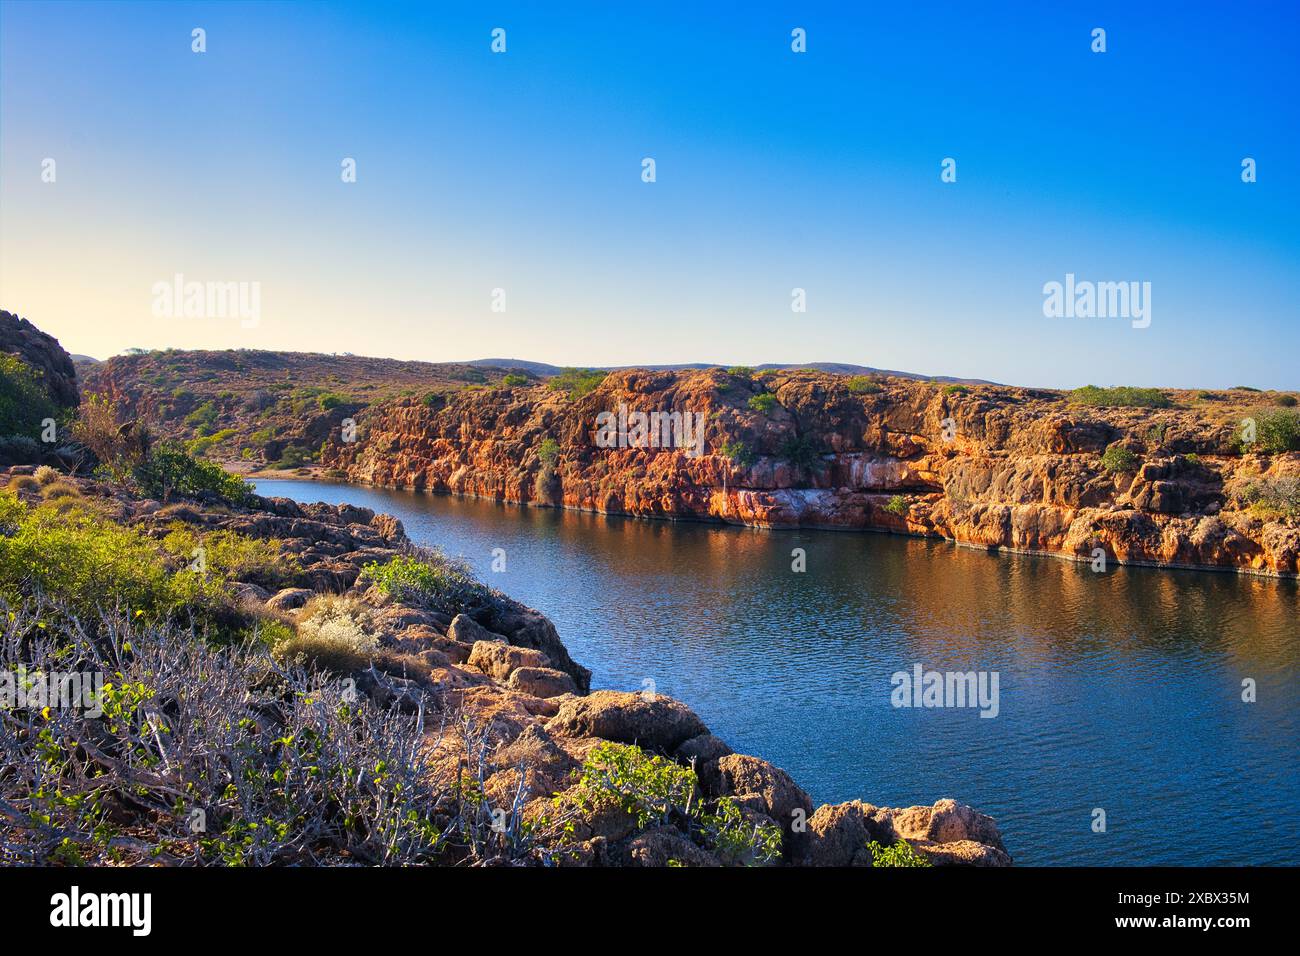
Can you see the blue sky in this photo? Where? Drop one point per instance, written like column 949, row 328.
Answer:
column 775, row 171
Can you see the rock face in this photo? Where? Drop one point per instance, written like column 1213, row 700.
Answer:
column 990, row 466
column 43, row 353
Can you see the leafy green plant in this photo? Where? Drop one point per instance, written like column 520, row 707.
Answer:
column 1277, row 430
column 429, row 579
column 740, row 454
column 514, row 379
column 762, row 402
column 741, row 371
column 900, row 854
column 548, row 451
column 169, row 470
column 955, row 390
column 1119, row 460
column 1286, row 401
column 331, row 400
column 736, row 839
column 649, row 788
column 1123, row 396
column 897, row 505
column 864, row 385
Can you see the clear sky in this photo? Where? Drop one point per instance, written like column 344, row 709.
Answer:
column 775, row 170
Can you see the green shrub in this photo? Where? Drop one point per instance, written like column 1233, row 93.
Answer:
column 1244, row 388
column 168, row 470
column 514, row 379
column 429, row 579
column 331, row 400
column 44, row 475
column 900, row 854
column 762, row 402
column 1123, row 396
column 741, row 371
column 740, row 454
column 736, row 839
column 1119, row 460
column 201, row 445
column 91, row 564
column 548, row 451
column 577, row 382
column 864, row 385
column 234, row 557
column 1276, row 431
column 897, row 505
column 625, row 777
column 434, row 400
column 1286, row 401
column 955, row 389
column 205, row 414
column 24, row 403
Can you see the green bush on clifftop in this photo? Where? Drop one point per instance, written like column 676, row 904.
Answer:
column 1122, row 396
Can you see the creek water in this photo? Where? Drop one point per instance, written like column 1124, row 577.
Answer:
column 1118, row 691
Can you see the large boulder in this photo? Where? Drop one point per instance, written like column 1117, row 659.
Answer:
column 838, row 835
column 466, row 630
column 650, row 721
column 541, row 681
column 764, row 788
column 501, row 660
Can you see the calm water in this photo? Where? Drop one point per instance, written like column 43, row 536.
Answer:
column 1119, row 691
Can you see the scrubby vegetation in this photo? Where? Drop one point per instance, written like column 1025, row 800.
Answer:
column 1274, row 498
column 514, row 379
column 93, row 564
column 169, row 470
column 427, row 578
column 215, row 756
column 24, row 403
column 1277, row 430
column 762, row 402
column 740, row 454
column 900, row 854
column 656, row 791
column 1122, row 396
column 1119, row 460
column 577, row 382
column 864, row 385
column 897, row 505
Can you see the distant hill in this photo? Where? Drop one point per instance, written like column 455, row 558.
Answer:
column 544, row 370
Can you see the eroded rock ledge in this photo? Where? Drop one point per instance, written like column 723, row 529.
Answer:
column 990, row 466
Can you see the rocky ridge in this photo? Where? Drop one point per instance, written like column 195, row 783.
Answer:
column 989, row 466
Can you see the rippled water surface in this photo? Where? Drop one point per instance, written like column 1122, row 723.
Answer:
column 1119, row 691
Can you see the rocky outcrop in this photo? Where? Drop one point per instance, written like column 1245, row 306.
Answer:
column 988, row 466
column 44, row 354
